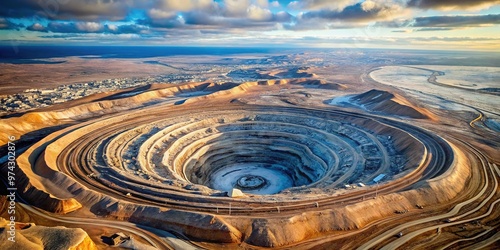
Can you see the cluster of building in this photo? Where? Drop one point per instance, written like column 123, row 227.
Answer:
column 217, row 72
column 39, row 98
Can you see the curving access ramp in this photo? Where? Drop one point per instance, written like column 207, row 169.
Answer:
column 171, row 163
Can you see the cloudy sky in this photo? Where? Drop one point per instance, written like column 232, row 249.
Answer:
column 413, row 24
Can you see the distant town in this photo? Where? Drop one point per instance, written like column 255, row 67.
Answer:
column 39, row 98
column 237, row 70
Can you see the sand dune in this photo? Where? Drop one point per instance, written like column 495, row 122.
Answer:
column 322, row 84
column 390, row 103
column 33, row 237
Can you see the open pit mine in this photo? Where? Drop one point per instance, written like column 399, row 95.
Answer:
column 287, row 164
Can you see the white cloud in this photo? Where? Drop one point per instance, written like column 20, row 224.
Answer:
column 322, row 4
column 258, row 13
column 37, row 26
column 262, row 3
column 368, row 5
column 236, row 8
column 294, row 5
column 112, row 27
column 89, row 26
column 185, row 5
column 160, row 14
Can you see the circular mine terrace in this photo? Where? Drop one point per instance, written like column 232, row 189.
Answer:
column 189, row 158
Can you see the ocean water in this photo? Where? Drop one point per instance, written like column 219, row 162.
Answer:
column 23, row 54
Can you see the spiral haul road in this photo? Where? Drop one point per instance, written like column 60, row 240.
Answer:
column 306, row 176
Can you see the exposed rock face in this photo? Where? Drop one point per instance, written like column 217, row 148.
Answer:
column 41, row 237
column 389, row 103
column 322, row 84
column 197, row 225
column 262, row 235
column 168, row 167
column 39, row 198
column 281, row 231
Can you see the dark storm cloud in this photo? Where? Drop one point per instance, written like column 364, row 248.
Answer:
column 353, row 12
column 6, row 24
column 282, row 17
column 440, row 23
column 456, row 21
column 352, row 16
column 396, row 23
column 203, row 20
column 197, row 13
column 64, row 28
column 359, row 12
column 37, row 27
column 434, row 29
column 168, row 23
column 87, row 27
column 451, row 4
column 257, row 20
column 66, row 9
column 71, row 27
column 172, row 17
